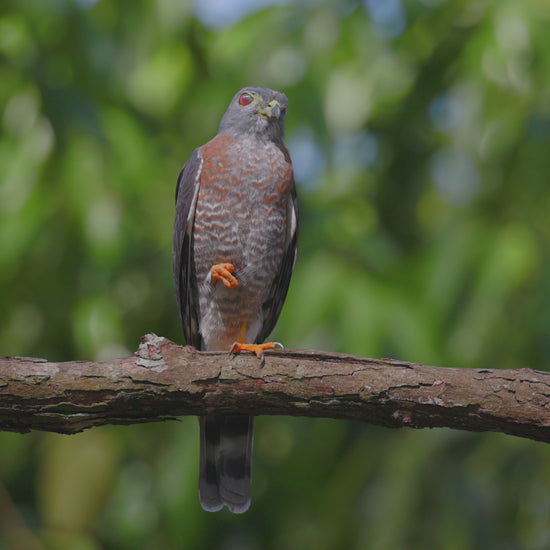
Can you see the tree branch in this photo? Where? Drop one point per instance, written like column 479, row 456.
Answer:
column 163, row 380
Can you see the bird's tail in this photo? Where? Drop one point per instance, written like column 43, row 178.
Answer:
column 225, row 462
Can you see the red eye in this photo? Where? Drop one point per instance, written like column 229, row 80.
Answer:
column 245, row 99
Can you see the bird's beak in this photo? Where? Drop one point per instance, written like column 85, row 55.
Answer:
column 271, row 110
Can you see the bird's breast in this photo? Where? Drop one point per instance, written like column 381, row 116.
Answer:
column 241, row 207
column 240, row 218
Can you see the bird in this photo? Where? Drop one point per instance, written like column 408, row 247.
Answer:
column 234, row 251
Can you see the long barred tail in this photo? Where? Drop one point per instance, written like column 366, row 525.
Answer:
column 225, row 462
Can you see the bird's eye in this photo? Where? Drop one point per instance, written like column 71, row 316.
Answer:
column 245, row 99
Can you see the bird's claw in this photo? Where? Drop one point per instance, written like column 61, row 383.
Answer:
column 257, row 349
column 224, row 273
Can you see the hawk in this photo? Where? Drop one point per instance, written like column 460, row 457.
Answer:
column 234, row 249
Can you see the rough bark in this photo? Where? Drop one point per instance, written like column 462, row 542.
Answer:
column 163, row 380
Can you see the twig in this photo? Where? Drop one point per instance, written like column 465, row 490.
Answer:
column 163, row 380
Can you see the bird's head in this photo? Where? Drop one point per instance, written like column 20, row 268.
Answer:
column 256, row 111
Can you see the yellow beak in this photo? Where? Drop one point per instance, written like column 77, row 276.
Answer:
column 271, row 110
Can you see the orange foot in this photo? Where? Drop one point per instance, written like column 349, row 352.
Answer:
column 224, row 273
column 257, row 349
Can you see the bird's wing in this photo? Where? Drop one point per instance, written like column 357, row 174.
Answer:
column 182, row 251
column 277, row 293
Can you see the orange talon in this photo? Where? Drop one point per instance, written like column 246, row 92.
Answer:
column 257, row 349
column 223, row 273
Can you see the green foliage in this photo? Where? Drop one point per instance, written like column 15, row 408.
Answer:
column 420, row 134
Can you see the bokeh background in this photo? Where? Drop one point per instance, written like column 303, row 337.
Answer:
column 420, row 134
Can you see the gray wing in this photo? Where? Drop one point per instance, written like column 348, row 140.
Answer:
column 277, row 293
column 182, row 250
